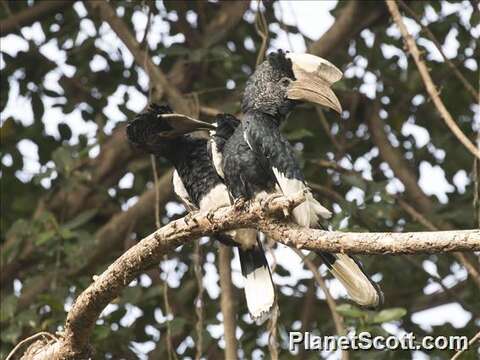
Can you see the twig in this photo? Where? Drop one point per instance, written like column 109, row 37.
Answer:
column 261, row 28
column 197, row 266
column 159, row 81
column 470, row 343
column 226, row 302
column 273, row 330
column 31, row 14
column 273, row 322
column 326, row 128
column 434, row 39
column 168, row 310
column 27, row 340
column 431, row 89
column 337, row 319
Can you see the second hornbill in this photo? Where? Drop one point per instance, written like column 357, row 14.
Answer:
column 258, row 161
column 183, row 141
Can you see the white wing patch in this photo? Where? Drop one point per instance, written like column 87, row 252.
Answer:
column 216, row 198
column 306, row 214
column 245, row 137
column 181, row 191
column 315, row 64
column 217, row 158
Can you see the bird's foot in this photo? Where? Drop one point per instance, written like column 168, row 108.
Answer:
column 210, row 215
column 189, row 218
column 265, row 201
column 239, row 204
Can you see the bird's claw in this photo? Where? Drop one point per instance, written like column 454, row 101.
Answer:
column 239, row 203
column 210, row 214
column 265, row 202
column 189, row 218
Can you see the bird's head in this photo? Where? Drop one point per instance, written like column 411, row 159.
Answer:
column 160, row 123
column 284, row 79
column 159, row 131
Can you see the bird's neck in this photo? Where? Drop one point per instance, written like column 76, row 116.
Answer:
column 259, row 115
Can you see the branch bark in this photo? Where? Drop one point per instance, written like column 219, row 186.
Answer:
column 432, row 37
column 395, row 160
column 429, row 85
column 31, row 14
column 353, row 18
column 159, row 82
column 88, row 306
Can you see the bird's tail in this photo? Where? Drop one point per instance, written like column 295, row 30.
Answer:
column 259, row 289
column 349, row 271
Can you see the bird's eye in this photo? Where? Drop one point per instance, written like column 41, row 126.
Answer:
column 285, row 81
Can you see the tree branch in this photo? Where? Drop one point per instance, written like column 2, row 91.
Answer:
column 31, row 14
column 431, row 89
column 353, row 18
column 158, row 80
column 226, row 302
column 434, row 39
column 337, row 319
column 395, row 160
column 88, row 306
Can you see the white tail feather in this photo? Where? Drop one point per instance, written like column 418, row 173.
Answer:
column 358, row 286
column 308, row 213
column 259, row 293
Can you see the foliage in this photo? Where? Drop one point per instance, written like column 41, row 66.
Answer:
column 67, row 87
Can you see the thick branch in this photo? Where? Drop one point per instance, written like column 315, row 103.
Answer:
column 29, row 15
column 353, row 18
column 431, row 89
column 396, row 161
column 158, row 80
column 88, row 306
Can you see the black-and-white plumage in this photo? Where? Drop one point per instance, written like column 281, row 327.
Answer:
column 257, row 159
column 196, row 182
column 177, row 138
column 259, row 288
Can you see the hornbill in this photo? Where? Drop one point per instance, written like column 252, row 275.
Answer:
column 181, row 140
column 257, row 161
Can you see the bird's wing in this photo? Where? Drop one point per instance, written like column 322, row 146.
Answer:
column 181, row 192
column 274, row 150
column 225, row 127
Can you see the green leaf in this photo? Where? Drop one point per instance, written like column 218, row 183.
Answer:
column 63, row 160
column 355, row 180
column 299, row 134
column 65, row 131
column 45, row 237
column 389, row 315
column 177, row 324
column 350, row 311
column 80, row 220
column 8, row 307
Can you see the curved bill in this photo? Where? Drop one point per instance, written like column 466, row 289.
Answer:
column 182, row 124
column 313, row 78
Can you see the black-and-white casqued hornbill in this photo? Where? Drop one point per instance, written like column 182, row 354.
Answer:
column 258, row 161
column 181, row 140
